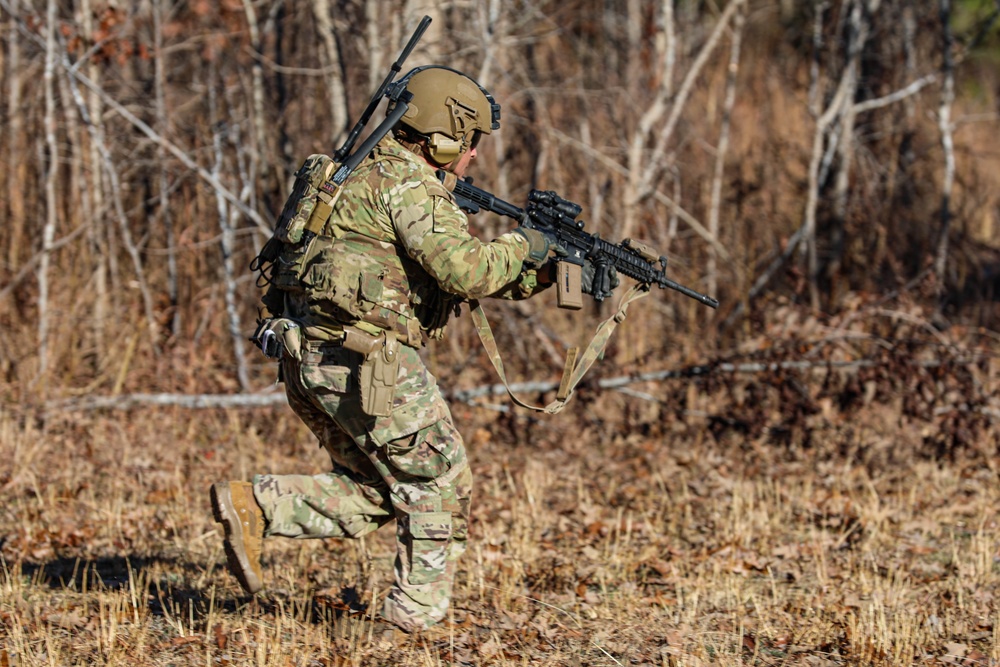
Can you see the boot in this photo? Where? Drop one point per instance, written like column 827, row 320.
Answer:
column 235, row 507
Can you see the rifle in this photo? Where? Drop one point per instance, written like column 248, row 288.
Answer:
column 555, row 217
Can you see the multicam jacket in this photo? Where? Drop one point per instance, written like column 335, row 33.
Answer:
column 397, row 253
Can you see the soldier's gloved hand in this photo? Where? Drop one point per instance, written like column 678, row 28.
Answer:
column 540, row 247
column 598, row 281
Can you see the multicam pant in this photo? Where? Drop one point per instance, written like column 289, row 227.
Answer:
column 410, row 466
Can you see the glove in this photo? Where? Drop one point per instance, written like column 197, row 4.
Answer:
column 539, row 247
column 598, row 281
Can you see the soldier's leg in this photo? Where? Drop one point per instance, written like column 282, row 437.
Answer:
column 431, row 534
column 350, row 501
column 334, row 504
column 421, row 456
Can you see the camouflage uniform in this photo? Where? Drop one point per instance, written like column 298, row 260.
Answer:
column 399, row 245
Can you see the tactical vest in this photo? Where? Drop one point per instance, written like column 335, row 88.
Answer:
column 328, row 267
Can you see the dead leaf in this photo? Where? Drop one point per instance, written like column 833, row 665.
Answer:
column 221, row 639
column 954, row 651
column 70, row 620
column 662, row 567
column 975, row 658
column 184, row 641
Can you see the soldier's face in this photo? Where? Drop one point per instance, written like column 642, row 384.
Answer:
column 461, row 164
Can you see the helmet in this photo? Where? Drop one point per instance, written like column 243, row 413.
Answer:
column 450, row 109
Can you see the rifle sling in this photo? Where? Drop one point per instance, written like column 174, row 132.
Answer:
column 576, row 365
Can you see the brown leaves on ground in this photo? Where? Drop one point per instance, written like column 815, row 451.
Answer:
column 840, row 512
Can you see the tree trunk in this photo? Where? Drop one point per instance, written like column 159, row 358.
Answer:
column 161, row 153
column 723, row 148
column 51, row 175
column 335, row 78
column 227, row 237
column 947, row 143
column 17, row 166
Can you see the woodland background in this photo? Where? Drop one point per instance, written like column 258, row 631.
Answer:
column 822, row 447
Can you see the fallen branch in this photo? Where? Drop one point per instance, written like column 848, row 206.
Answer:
column 191, row 401
column 619, row 383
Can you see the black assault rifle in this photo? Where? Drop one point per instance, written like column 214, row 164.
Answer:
column 555, row 217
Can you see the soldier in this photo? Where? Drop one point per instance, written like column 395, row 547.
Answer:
column 390, row 266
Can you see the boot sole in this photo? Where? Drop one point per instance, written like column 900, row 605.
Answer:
column 236, row 553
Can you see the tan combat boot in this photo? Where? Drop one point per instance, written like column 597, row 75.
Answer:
column 235, row 507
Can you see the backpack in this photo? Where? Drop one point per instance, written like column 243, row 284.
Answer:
column 281, row 262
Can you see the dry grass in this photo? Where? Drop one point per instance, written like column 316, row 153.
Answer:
column 620, row 532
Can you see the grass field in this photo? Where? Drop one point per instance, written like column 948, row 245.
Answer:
column 816, row 516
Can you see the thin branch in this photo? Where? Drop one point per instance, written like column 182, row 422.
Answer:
column 284, row 69
column 899, row 95
column 29, row 266
column 475, row 395
column 191, row 401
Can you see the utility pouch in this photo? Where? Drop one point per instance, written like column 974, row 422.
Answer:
column 379, row 370
column 290, row 266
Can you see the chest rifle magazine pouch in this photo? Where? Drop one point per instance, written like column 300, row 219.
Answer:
column 378, row 375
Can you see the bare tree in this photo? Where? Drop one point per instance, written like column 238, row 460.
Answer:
column 334, row 80
column 51, row 176
column 160, row 65
column 947, row 140
column 659, row 120
column 723, row 148
column 94, row 196
column 16, row 167
column 226, row 227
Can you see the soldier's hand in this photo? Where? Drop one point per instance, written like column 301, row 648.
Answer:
column 598, row 280
column 540, row 247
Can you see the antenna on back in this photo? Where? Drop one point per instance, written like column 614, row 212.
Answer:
column 397, row 66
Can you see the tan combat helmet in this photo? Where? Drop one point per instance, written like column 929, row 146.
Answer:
column 449, row 109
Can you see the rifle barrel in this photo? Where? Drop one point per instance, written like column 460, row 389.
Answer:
column 687, row 291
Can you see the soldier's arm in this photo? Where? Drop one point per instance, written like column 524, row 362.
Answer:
column 435, row 233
